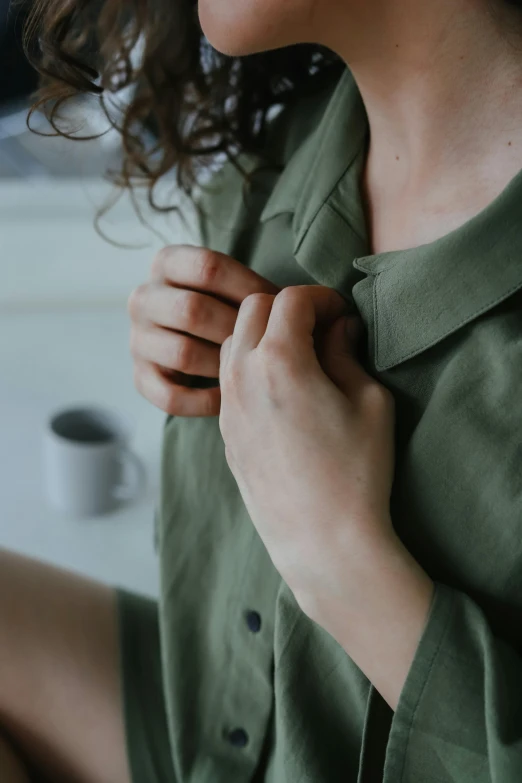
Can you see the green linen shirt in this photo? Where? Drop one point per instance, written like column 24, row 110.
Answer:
column 254, row 688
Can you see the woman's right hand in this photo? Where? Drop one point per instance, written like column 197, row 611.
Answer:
column 180, row 319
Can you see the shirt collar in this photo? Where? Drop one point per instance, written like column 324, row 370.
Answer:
column 314, row 169
column 424, row 294
column 421, row 295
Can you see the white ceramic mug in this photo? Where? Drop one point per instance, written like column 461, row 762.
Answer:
column 88, row 467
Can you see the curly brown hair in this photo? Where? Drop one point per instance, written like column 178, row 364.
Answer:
column 189, row 104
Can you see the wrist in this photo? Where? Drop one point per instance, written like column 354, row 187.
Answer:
column 349, row 586
column 378, row 612
column 388, row 586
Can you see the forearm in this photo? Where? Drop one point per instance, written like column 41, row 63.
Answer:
column 381, row 614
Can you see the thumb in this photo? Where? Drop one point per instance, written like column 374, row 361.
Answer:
column 338, row 356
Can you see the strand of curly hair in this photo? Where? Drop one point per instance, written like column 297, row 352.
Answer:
column 189, row 102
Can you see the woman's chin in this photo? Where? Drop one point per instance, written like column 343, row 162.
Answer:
column 227, row 45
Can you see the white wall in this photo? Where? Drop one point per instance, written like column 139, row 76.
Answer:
column 51, row 254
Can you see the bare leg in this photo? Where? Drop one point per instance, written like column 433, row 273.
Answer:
column 59, row 674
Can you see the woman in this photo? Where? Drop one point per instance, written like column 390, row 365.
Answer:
column 340, row 518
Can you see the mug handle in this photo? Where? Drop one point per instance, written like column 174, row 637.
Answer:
column 133, row 486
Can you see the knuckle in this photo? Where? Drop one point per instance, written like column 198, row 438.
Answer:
column 168, row 399
column 257, row 298
column 192, row 310
column 143, row 374
column 135, row 300
column 290, row 294
column 184, row 355
column 160, row 260
column 210, row 405
column 208, row 266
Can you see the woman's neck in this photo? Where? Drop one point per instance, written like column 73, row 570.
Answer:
column 442, row 86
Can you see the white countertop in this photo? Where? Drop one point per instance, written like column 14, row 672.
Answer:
column 64, row 334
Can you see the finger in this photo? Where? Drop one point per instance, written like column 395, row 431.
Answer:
column 176, row 351
column 188, row 311
column 338, row 354
column 296, row 312
column 172, row 398
column 328, row 303
column 207, row 271
column 251, row 323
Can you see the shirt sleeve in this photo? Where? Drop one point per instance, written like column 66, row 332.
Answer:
column 459, row 715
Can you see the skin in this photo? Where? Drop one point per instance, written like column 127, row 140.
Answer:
column 442, row 84
column 59, row 676
column 317, row 485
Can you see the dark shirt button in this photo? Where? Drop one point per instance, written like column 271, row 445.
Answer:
column 253, row 621
column 238, row 738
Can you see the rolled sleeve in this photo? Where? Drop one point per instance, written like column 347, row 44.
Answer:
column 459, row 716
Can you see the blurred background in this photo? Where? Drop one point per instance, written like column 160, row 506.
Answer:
column 64, row 328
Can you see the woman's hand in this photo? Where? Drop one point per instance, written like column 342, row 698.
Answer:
column 180, row 319
column 309, row 437
column 310, row 441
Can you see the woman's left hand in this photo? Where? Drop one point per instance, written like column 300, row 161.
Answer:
column 309, row 438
